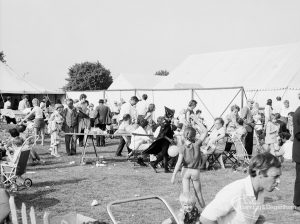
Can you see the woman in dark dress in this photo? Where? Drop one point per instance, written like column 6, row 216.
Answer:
column 160, row 146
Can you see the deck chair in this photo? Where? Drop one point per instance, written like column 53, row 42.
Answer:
column 11, row 172
column 213, row 159
column 135, row 155
column 229, row 154
column 237, row 155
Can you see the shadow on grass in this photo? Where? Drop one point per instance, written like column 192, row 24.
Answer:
column 49, row 165
column 58, row 182
column 36, row 199
column 99, row 151
column 272, row 199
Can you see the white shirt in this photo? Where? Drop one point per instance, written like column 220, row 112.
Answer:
column 127, row 108
column 287, row 149
column 235, row 204
column 7, row 105
column 142, row 107
column 38, row 112
column 268, row 112
column 285, row 111
column 277, row 107
column 23, row 105
column 156, row 133
column 215, row 133
column 126, row 127
column 136, row 140
column 115, row 109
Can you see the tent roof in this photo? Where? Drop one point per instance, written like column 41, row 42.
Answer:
column 254, row 68
column 135, row 81
column 11, row 82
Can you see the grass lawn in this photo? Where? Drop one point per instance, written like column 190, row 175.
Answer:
column 61, row 187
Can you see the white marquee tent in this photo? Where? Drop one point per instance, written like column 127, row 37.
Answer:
column 14, row 85
column 216, row 81
column 11, row 82
column 135, row 81
column 264, row 72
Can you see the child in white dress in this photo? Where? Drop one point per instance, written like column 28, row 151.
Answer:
column 55, row 128
column 272, row 130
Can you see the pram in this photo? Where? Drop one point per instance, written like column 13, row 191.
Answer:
column 109, row 206
column 11, row 172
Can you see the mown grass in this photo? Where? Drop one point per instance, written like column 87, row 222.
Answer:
column 61, row 187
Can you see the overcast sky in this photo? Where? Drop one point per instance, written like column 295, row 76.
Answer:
column 42, row 39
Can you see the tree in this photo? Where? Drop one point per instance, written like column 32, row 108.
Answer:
column 162, row 73
column 2, row 57
column 88, row 76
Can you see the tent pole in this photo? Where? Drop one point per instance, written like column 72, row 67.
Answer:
column 103, row 94
column 192, row 94
column 204, row 105
column 242, row 97
column 2, row 97
column 231, row 102
column 284, row 92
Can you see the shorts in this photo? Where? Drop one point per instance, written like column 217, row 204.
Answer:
column 39, row 123
column 193, row 174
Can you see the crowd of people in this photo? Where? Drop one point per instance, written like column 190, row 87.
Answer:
column 272, row 127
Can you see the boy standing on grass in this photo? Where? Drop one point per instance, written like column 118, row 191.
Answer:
column 70, row 125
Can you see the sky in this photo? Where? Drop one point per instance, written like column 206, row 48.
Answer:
column 42, row 39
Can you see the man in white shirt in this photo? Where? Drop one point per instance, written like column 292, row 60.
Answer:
column 215, row 143
column 142, row 106
column 129, row 108
column 242, row 201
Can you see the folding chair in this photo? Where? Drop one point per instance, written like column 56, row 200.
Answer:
column 238, row 156
column 213, row 158
column 120, row 202
column 136, row 154
column 12, row 171
column 229, row 153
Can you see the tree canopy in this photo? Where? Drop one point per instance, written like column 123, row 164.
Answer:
column 162, row 73
column 88, row 76
column 2, row 57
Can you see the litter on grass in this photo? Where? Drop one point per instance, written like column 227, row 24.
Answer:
column 94, row 203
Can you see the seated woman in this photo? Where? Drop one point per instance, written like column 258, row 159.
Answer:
column 165, row 137
column 140, row 142
column 231, row 119
column 214, row 143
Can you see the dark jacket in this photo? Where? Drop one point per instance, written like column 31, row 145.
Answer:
column 103, row 115
column 296, row 143
column 71, row 120
column 282, row 126
column 247, row 116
